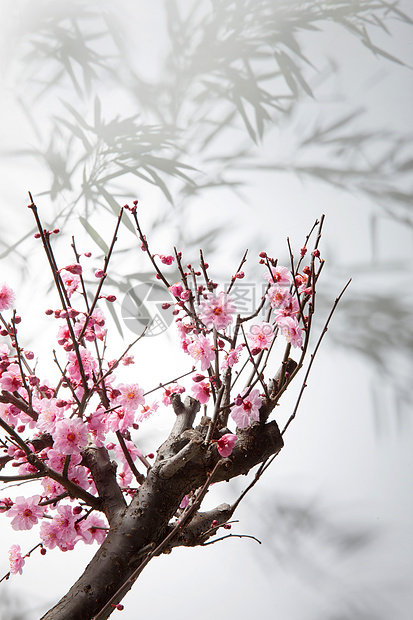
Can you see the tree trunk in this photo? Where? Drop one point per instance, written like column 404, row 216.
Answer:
column 183, row 464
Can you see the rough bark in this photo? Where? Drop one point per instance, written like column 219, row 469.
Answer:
column 183, row 464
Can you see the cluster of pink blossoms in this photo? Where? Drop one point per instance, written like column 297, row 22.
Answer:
column 285, row 305
column 56, row 416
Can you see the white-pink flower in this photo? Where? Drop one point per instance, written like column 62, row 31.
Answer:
column 9, row 413
column 248, row 410
column 261, row 335
column 91, row 529
column 56, row 460
column 147, row 411
column 60, row 530
column 290, row 309
column 130, row 397
column 232, row 357
column 226, row 444
column 4, row 350
column 120, row 419
column 16, row 560
column 279, row 275
column 96, row 424
column 125, row 477
column 171, row 389
column 25, row 512
column 49, row 534
column 88, row 363
column 278, row 296
column 7, row 296
column 216, row 310
column 51, row 487
column 71, row 282
column 291, row 330
column 70, row 436
column 201, row 350
column 49, row 414
column 11, row 379
column 64, row 522
column 202, row 391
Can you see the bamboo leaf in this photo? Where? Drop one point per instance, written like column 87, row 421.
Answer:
column 94, row 235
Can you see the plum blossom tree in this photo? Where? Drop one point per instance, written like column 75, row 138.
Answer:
column 78, row 437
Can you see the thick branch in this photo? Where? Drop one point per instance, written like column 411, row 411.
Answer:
column 146, row 521
column 200, row 528
column 103, row 471
column 185, row 413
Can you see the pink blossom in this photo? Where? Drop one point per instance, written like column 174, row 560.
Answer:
column 61, row 530
column 232, row 357
column 132, row 449
column 202, row 351
column 217, row 310
column 49, row 414
column 11, row 379
column 127, row 360
column 51, row 488
column 4, row 350
column 183, row 329
column 94, row 327
column 248, row 410
column 71, row 282
column 166, row 260
column 79, row 475
column 261, row 336
column 88, row 363
column 120, row 419
column 16, row 560
column 49, row 534
column 75, row 268
column 176, row 289
column 25, row 512
column 184, row 503
column 26, row 468
column 291, row 330
column 63, row 335
column 9, row 413
column 148, row 410
column 171, row 389
column 56, row 460
column 70, row 436
column 96, row 424
column 7, row 296
column 289, row 309
column 301, row 281
column 131, row 396
column 91, row 529
column 226, row 444
column 125, row 477
column 278, row 275
column 202, row 391
column 278, row 296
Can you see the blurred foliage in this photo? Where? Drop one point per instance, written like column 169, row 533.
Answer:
column 322, row 548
